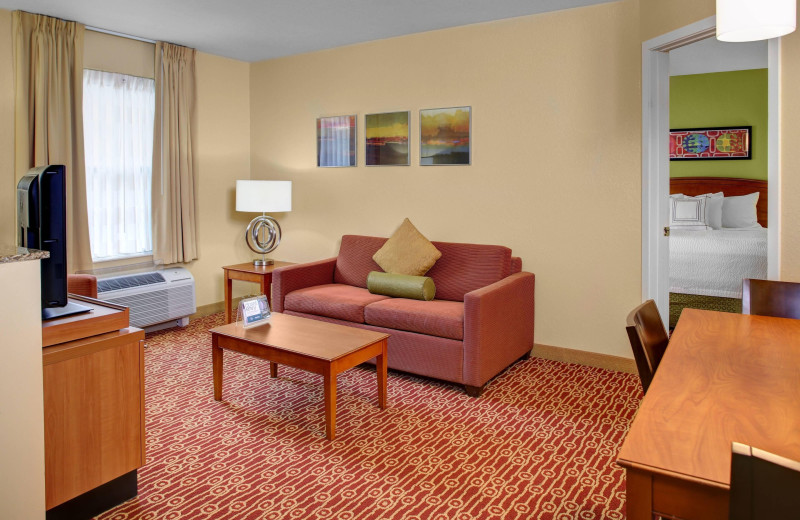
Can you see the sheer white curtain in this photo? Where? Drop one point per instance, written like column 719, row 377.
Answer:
column 336, row 142
column 118, row 139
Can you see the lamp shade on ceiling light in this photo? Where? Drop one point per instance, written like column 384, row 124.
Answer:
column 752, row 20
column 264, row 196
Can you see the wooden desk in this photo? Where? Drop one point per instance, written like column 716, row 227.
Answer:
column 249, row 273
column 725, row 377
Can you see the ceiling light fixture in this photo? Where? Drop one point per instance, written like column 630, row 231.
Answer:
column 750, row 20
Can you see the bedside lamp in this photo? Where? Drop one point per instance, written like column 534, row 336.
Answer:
column 263, row 233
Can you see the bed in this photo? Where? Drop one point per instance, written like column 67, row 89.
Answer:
column 707, row 266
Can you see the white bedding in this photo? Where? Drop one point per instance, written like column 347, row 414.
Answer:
column 714, row 262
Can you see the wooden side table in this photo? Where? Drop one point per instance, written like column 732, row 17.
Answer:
column 249, row 273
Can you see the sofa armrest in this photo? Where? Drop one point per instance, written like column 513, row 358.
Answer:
column 498, row 326
column 298, row 276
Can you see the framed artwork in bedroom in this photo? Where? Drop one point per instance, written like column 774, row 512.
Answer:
column 336, row 141
column 697, row 144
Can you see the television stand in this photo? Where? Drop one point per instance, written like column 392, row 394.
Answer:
column 69, row 309
column 94, row 440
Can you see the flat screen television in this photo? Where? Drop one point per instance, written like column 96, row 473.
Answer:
column 42, row 217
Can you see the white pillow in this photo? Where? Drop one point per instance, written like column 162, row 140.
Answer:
column 740, row 212
column 689, row 213
column 714, row 209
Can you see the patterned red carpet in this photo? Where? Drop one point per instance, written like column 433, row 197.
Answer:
column 539, row 444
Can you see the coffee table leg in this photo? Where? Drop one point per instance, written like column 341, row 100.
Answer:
column 273, row 369
column 330, row 404
column 216, row 363
column 381, row 367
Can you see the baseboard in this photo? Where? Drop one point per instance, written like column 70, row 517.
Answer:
column 205, row 310
column 581, row 357
column 214, row 308
column 97, row 500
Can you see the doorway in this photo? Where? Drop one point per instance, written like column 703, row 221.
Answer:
column 655, row 157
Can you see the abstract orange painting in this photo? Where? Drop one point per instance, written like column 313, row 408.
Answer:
column 445, row 136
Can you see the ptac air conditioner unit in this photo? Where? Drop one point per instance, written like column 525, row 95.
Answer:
column 155, row 297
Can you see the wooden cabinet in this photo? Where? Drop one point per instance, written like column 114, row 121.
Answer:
column 93, row 401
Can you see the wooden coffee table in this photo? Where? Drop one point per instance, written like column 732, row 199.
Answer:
column 311, row 345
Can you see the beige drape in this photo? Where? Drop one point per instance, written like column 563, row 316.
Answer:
column 174, row 179
column 48, row 70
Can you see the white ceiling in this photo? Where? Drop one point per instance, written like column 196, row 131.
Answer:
column 712, row 55
column 254, row 30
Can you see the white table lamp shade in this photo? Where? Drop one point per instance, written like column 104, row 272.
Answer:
column 264, row 196
column 752, row 20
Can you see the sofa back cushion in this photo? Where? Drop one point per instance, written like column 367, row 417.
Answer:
column 355, row 262
column 461, row 269
column 466, row 267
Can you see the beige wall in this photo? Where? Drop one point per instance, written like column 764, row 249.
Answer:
column 8, row 183
column 790, row 162
column 556, row 154
column 21, row 409
column 223, row 156
column 659, row 17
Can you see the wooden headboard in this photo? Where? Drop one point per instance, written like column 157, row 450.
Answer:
column 730, row 186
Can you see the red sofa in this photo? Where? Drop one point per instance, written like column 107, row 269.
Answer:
column 480, row 322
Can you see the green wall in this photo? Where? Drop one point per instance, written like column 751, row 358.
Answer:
column 737, row 98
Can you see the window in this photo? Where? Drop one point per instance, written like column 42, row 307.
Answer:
column 118, row 113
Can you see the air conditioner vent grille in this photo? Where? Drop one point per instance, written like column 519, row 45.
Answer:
column 153, row 297
column 154, row 306
column 126, row 282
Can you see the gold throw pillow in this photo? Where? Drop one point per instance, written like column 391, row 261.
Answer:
column 407, row 252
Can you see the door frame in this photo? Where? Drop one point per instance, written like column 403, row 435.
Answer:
column 655, row 156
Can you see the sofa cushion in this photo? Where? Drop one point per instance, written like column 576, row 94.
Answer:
column 407, row 252
column 435, row 318
column 354, row 262
column 466, row 267
column 343, row 302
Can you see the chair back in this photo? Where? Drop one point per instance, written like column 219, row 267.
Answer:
column 648, row 339
column 82, row 285
column 764, row 486
column 771, row 298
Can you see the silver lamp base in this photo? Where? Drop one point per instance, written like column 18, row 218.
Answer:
column 263, row 235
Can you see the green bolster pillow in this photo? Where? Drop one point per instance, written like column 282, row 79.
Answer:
column 401, row 285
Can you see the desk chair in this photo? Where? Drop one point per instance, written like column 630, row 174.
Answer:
column 648, row 339
column 764, row 486
column 82, row 285
column 770, row 298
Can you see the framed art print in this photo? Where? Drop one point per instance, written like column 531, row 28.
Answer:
column 387, row 139
column 694, row 144
column 336, row 141
column 444, row 136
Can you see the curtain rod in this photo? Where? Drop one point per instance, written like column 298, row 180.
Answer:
column 121, row 35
